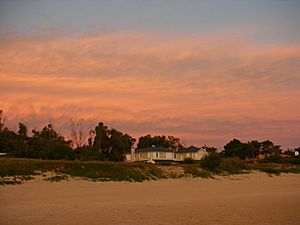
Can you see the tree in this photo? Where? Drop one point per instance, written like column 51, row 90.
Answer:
column 161, row 141
column 252, row 149
column 23, row 131
column 233, row 148
column 267, row 147
column 119, row 142
column 236, row 148
column 210, row 149
column 211, row 161
column 11, row 142
column 78, row 135
column 2, row 120
column 48, row 144
column 111, row 142
column 101, row 139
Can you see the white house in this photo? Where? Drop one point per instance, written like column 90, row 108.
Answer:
column 154, row 154
column 191, row 152
column 151, row 154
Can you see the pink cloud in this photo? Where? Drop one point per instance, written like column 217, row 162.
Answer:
column 203, row 89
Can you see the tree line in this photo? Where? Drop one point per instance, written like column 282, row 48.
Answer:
column 101, row 143
column 105, row 143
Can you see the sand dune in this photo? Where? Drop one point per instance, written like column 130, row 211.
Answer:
column 243, row 199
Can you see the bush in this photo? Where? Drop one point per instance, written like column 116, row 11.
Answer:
column 272, row 159
column 211, row 162
column 278, row 159
column 196, row 171
column 188, row 161
column 232, row 165
column 88, row 153
column 294, row 160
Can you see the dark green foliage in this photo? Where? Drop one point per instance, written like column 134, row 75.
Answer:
column 101, row 140
column 236, row 148
column 233, row 165
column 111, row 142
column 272, row 159
column 293, row 160
column 211, row 162
column 120, row 143
column 210, row 149
column 48, row 144
column 89, row 153
column 23, row 131
column 11, row 142
column 275, row 168
column 268, row 147
column 107, row 144
column 161, row 141
column 44, row 144
column 188, row 161
column 278, row 159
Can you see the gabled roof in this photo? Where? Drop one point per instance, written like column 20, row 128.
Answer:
column 153, row 149
column 189, row 149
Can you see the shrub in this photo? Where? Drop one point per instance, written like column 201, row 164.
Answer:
column 232, row 165
column 211, row 162
column 188, row 161
column 197, row 172
column 88, row 153
column 278, row 159
column 272, row 159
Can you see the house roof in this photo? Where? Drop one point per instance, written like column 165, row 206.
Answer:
column 189, row 149
column 153, row 149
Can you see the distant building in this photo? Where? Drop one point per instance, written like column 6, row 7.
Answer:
column 154, row 154
column 191, row 152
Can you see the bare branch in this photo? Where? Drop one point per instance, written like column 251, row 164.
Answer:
column 2, row 120
column 78, row 134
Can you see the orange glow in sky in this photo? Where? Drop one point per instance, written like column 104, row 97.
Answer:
column 203, row 89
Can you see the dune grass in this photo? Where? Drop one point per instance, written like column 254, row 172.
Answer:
column 93, row 170
column 274, row 168
column 16, row 171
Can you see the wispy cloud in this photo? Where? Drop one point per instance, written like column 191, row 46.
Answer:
column 205, row 89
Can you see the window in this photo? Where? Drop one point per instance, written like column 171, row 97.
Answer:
column 156, row 154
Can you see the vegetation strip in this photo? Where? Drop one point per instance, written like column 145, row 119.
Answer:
column 16, row 171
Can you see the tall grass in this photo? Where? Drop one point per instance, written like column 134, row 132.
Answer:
column 16, row 171
column 275, row 168
column 110, row 171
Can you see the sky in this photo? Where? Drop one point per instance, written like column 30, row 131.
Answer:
column 203, row 71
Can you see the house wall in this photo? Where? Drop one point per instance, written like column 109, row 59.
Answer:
column 128, row 157
column 145, row 156
column 160, row 155
column 170, row 155
column 193, row 155
column 200, row 154
column 141, row 156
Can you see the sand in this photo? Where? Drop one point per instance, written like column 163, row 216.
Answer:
column 242, row 199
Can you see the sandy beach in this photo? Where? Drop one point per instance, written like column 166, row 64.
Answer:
column 243, row 199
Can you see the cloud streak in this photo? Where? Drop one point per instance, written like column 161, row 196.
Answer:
column 205, row 89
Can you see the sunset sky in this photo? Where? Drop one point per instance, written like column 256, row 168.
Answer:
column 206, row 71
